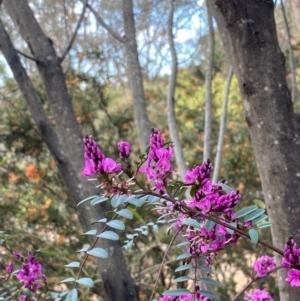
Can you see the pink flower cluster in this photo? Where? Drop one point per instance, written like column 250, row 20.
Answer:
column 264, row 265
column 258, row 295
column 31, row 272
column 95, row 160
column 292, row 259
column 158, row 164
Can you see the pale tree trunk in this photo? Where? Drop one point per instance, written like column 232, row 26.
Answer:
column 135, row 76
column 295, row 5
column 171, row 97
column 291, row 54
column 65, row 144
column 222, row 128
column 208, row 81
column 260, row 69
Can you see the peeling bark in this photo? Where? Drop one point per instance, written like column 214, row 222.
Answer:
column 260, row 69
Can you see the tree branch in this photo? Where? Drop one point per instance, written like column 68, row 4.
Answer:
column 106, row 26
column 69, row 46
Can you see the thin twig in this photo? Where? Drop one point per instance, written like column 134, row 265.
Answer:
column 163, row 261
column 250, row 283
column 106, row 26
column 26, row 55
column 69, row 46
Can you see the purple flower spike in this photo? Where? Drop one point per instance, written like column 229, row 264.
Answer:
column 10, row 268
column 124, row 149
column 263, row 265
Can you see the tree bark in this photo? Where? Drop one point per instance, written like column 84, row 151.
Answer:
column 66, row 147
column 135, row 76
column 171, row 98
column 260, row 69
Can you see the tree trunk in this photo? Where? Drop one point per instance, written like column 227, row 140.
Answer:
column 66, row 147
column 171, row 97
column 208, row 93
column 135, row 76
column 260, row 69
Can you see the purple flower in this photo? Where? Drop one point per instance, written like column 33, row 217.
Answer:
column 199, row 173
column 124, row 149
column 10, row 268
column 89, row 168
column 31, row 273
column 263, row 265
column 291, row 252
column 258, row 295
column 23, row 298
column 293, row 277
column 110, row 165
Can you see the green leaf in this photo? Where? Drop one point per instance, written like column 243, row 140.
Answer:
column 182, row 193
column 125, row 213
column 74, row 264
column 230, row 231
column 254, row 215
column 86, row 281
column 118, row 200
column 184, row 256
column 176, row 292
column 142, row 199
column 245, row 211
column 134, row 201
column 116, row 224
column 184, row 267
column 152, row 199
column 109, row 235
column 155, row 228
column 98, row 252
column 91, row 232
column 206, row 268
column 72, row 295
column 259, row 219
column 181, row 279
column 70, row 279
column 193, row 191
column 87, row 199
column 191, row 222
column 184, row 243
column 259, row 203
column 98, row 200
column 253, row 235
column 225, row 187
column 211, row 282
column 145, row 233
column 209, row 294
column 264, row 225
column 209, row 225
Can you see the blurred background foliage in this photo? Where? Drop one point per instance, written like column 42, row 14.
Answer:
column 35, row 210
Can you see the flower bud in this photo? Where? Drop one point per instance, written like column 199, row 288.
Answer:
column 124, row 149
